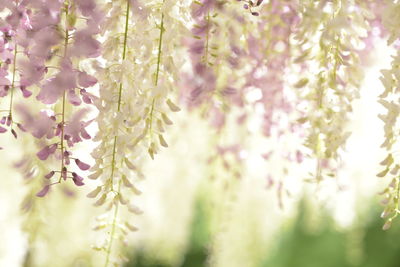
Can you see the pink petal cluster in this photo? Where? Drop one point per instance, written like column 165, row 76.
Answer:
column 50, row 43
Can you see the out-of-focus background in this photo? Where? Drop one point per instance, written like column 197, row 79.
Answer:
column 200, row 212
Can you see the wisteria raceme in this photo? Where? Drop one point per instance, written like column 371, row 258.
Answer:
column 111, row 147
column 205, row 87
column 335, row 76
column 390, row 79
column 32, row 207
column 214, row 82
column 14, row 70
column 135, row 99
column 214, row 85
column 273, row 94
column 112, row 75
column 62, row 84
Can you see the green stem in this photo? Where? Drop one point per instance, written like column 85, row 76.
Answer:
column 124, row 52
column 13, row 81
column 151, row 117
column 159, row 49
column 157, row 70
column 115, row 143
column 113, row 161
column 66, row 38
column 112, row 230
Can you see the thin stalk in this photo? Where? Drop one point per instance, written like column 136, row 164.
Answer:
column 113, row 160
column 115, row 142
column 158, row 69
column 159, row 49
column 13, row 81
column 151, row 116
column 66, row 38
column 13, row 75
column 120, row 91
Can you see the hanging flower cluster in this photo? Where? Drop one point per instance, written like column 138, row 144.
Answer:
column 329, row 38
column 136, row 86
column 65, row 86
column 125, row 67
column 18, row 70
column 389, row 99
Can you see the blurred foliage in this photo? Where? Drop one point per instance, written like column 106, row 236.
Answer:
column 300, row 245
column 329, row 247
column 196, row 255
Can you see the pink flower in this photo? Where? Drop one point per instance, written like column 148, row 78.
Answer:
column 46, row 151
column 38, row 125
column 47, row 14
column 66, row 157
column 75, row 127
column 85, row 45
column 49, row 175
column 19, row 125
column 56, row 86
column 85, row 80
column 8, row 120
column 139, row 9
column 84, row 133
column 201, row 29
column 6, row 4
column 196, row 47
column 201, row 10
column 44, row 191
column 64, row 173
column 73, row 98
column 44, row 40
column 299, row 156
column 25, row 93
column 4, row 82
column 218, row 119
column 31, row 72
column 86, row 6
column 88, row 98
column 77, row 179
column 7, row 56
column 83, row 166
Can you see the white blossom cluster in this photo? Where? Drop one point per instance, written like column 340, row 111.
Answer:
column 136, row 92
column 390, row 100
column 330, row 42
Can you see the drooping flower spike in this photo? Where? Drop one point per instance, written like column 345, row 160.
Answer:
column 330, row 88
column 65, row 85
column 134, row 104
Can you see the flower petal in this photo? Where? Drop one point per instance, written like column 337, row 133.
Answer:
column 82, row 165
column 85, row 80
column 44, row 191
